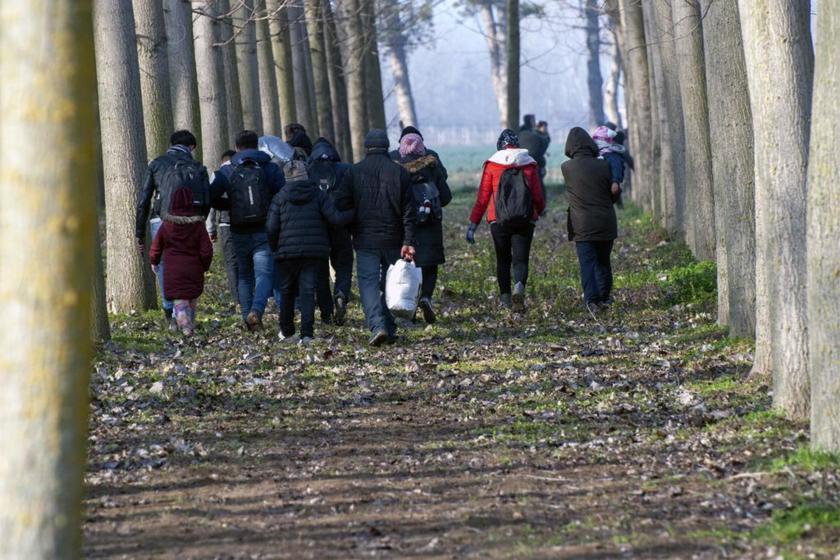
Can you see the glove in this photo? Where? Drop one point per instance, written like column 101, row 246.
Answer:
column 471, row 233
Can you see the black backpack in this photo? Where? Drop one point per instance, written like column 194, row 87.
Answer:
column 424, row 191
column 183, row 172
column 323, row 175
column 514, row 205
column 248, row 192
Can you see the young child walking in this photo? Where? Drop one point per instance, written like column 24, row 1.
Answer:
column 613, row 153
column 185, row 249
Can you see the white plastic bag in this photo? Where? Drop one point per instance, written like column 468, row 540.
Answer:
column 402, row 286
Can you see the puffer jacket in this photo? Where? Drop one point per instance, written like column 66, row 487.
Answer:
column 511, row 158
column 297, row 221
column 385, row 213
column 588, row 187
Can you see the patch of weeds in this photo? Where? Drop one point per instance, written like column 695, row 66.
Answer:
column 725, row 384
column 692, row 283
column 792, row 525
column 807, row 460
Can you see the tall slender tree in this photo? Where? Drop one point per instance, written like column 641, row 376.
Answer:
column 46, row 55
column 181, row 59
column 297, row 42
column 513, row 54
column 211, row 83
column 338, row 85
column 247, row 64
column 315, row 27
column 372, row 70
column 269, row 108
column 233, row 93
column 284, row 67
column 350, row 10
column 780, row 65
column 309, row 73
column 594, row 80
column 395, row 40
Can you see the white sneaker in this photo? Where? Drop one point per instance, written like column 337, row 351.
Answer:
column 306, row 341
column 289, row 340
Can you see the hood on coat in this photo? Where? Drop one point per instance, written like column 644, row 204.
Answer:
column 414, row 163
column 250, row 154
column 580, row 144
column 324, row 150
column 299, row 192
column 518, row 157
column 181, row 209
column 301, row 140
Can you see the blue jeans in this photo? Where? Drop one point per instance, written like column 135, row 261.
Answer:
column 595, row 270
column 154, row 226
column 256, row 271
column 371, row 268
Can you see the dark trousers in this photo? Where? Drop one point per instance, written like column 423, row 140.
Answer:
column 323, row 294
column 513, row 248
column 430, row 275
column 298, row 277
column 231, row 266
column 595, row 270
column 341, row 258
column 371, row 268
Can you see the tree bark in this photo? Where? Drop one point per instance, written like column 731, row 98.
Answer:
column 338, row 85
column 355, row 77
column 372, row 70
column 269, row 108
column 45, row 247
column 395, row 42
column 211, row 82
column 183, row 83
column 780, row 64
column 124, row 154
column 823, row 233
column 247, row 65
column 698, row 161
column 315, row 27
column 297, row 43
column 154, row 74
column 309, row 72
column 497, row 61
column 730, row 125
column 233, row 95
column 594, row 81
column 284, row 68
column 101, row 327
column 512, row 45
column 611, row 90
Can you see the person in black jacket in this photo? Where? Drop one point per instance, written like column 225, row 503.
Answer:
column 383, row 231
column 295, row 135
column 536, row 143
column 327, row 171
column 431, row 193
column 298, row 236
column 182, row 144
column 395, row 154
column 592, row 223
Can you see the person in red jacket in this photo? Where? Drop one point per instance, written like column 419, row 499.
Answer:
column 511, row 240
column 185, row 248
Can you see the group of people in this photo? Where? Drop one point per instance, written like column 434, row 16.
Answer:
column 284, row 224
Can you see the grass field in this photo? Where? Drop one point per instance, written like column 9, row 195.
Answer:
column 464, row 163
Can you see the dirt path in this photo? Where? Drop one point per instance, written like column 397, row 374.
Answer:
column 485, row 436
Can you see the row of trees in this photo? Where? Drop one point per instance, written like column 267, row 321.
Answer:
column 734, row 159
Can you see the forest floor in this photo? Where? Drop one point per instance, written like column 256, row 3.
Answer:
column 547, row 435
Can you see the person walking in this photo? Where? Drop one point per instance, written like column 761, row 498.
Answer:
column 218, row 227
column 591, row 222
column 536, row 143
column 430, row 193
column 299, row 238
column 183, row 246
column 383, row 229
column 511, row 194
column 245, row 189
column 395, row 153
column 164, row 175
column 327, row 171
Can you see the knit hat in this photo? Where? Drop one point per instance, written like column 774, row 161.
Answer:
column 376, row 139
column 507, row 139
column 295, row 170
column 603, row 137
column 412, row 144
column 410, row 130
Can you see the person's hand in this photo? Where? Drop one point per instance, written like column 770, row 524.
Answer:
column 407, row 253
column 141, row 246
column 155, row 269
column 214, row 237
column 616, row 189
column 471, row 233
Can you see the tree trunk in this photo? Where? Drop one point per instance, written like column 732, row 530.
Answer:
column 698, row 161
column 211, row 82
column 181, row 58
column 154, row 74
column 281, row 41
column 594, row 81
column 299, row 54
column 48, row 101
column 780, row 64
column 269, row 109
column 512, row 45
column 730, row 125
column 309, row 72
column 247, row 66
column 315, row 27
column 124, row 155
column 233, row 95
column 338, row 86
column 355, row 77
column 497, row 61
column 372, row 70
column 395, row 42
column 101, row 327
column 823, row 233
column 611, row 90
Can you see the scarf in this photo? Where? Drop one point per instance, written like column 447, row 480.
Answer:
column 412, row 145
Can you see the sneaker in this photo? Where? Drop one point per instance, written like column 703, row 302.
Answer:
column 306, row 341
column 340, row 309
column 428, row 312
column 186, row 331
column 518, row 299
column 594, row 308
column 254, row 321
column 169, row 319
column 378, row 338
column 289, row 340
column 391, row 339
column 505, row 300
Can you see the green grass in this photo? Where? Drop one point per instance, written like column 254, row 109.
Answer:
column 807, row 460
column 792, row 525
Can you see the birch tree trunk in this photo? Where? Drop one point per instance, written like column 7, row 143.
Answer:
column 594, row 81
column 338, row 85
column 315, row 27
column 823, row 233
column 269, row 108
column 284, row 68
column 512, row 45
column 124, row 155
column 497, row 61
column 612, row 112
column 183, row 84
column 780, row 64
column 47, row 99
column 355, row 77
column 373, row 72
column 730, row 126
column 298, row 49
column 101, row 327
column 248, row 67
column 154, row 74
column 211, row 82
column 233, row 95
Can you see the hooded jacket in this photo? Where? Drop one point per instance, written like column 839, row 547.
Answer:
column 326, row 169
column 588, row 182
column 535, row 143
column 297, row 221
column 184, row 247
column 509, row 158
column 429, row 234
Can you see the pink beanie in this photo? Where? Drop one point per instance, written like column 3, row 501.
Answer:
column 412, row 144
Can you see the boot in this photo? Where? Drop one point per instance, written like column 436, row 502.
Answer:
column 518, row 304
column 428, row 313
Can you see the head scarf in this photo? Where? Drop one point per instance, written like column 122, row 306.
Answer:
column 412, row 144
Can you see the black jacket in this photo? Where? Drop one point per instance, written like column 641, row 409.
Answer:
column 326, row 170
column 588, row 182
column 428, row 234
column 297, row 221
column 150, row 187
column 218, row 189
column 385, row 213
column 535, row 143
